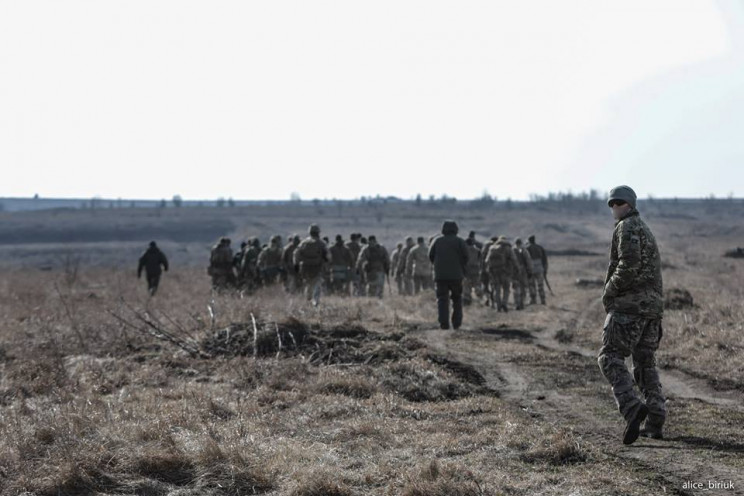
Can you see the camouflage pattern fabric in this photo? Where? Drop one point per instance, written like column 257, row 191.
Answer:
column 270, row 263
column 419, row 266
column 633, row 282
column 501, row 264
column 471, row 283
column 291, row 283
column 400, row 269
column 354, row 247
column 520, row 277
column 539, row 269
column 342, row 261
column 220, row 266
column 374, row 262
column 311, row 255
column 633, row 300
column 636, row 336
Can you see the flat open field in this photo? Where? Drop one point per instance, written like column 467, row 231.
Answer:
column 104, row 391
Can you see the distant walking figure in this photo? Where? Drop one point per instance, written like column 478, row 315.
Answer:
column 449, row 254
column 152, row 261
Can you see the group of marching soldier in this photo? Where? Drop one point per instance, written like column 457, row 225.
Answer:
column 362, row 267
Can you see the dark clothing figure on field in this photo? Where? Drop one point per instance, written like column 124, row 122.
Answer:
column 449, row 254
column 221, row 265
column 539, row 270
column 521, row 275
column 633, row 300
column 419, row 266
column 342, row 262
column 310, row 257
column 152, row 261
column 374, row 263
column 501, row 264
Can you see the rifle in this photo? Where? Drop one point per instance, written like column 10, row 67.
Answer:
column 545, row 277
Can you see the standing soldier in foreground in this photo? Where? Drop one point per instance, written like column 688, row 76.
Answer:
column 419, row 266
column 354, row 247
column 394, row 259
column 342, row 262
column 311, row 256
column 634, row 303
column 539, row 270
column 220, row 265
column 521, row 275
column 472, row 272
column 290, row 284
column 400, row 269
column 449, row 255
column 501, row 265
column 374, row 262
column 152, row 261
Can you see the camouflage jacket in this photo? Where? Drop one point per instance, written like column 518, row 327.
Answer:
column 500, row 259
column 524, row 262
column 271, row 256
column 395, row 256
column 418, row 263
column 221, row 258
column 633, row 283
column 311, row 252
column 288, row 256
column 374, row 258
column 341, row 256
column 354, row 248
column 400, row 268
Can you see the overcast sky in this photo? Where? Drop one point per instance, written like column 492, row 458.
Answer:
column 341, row 99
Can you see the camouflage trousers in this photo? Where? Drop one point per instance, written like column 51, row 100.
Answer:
column 469, row 284
column 376, row 283
column 519, row 288
column 399, row 283
column 500, row 283
column 537, row 282
column 421, row 282
column 632, row 335
column 312, row 280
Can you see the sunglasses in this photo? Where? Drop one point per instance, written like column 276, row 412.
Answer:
column 617, row 203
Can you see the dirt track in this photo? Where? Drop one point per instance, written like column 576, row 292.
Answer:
column 560, row 383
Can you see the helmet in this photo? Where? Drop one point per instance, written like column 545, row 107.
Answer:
column 314, row 230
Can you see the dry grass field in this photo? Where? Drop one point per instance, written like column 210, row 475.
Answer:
column 104, row 391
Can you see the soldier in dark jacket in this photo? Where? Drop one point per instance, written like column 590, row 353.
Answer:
column 342, row 261
column 152, row 261
column 539, row 270
column 449, row 254
column 634, row 303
